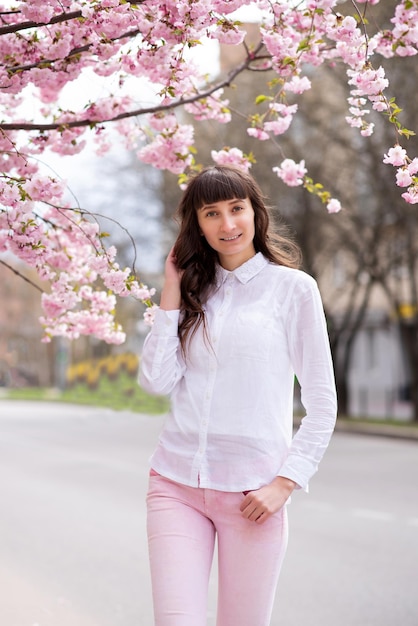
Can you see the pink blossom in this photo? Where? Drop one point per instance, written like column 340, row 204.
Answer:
column 228, row 34
column 279, row 126
column 280, row 45
column 403, row 177
column 354, row 122
column 258, row 133
column 321, row 4
column 345, row 29
column 290, row 172
column 115, row 280
column 411, row 196
column 298, row 84
column 171, row 150
column 149, row 314
column 334, row 206
column 211, row 108
column 231, row 156
column 413, row 166
column 367, row 130
column 9, row 193
column 368, row 81
column 163, row 122
column 379, row 103
column 283, row 109
column 395, row 156
column 37, row 12
column 142, row 292
column 42, row 188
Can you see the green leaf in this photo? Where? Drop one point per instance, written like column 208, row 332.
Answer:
column 303, row 45
column 288, row 61
column 406, row 133
column 261, row 98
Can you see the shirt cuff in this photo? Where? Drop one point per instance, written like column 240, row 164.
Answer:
column 299, row 470
column 166, row 323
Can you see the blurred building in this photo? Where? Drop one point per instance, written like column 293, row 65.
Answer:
column 24, row 359
column 378, row 375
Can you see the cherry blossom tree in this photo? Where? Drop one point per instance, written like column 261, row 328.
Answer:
column 47, row 46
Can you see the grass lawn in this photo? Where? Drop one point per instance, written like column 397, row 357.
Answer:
column 123, row 393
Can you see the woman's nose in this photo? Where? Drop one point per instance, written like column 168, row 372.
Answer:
column 227, row 223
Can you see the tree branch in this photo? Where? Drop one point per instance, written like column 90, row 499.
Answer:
column 138, row 112
column 27, row 280
column 68, row 57
column 57, row 19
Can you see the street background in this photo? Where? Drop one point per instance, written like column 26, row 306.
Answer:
column 72, row 525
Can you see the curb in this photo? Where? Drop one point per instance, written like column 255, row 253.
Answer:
column 403, row 431
column 378, row 429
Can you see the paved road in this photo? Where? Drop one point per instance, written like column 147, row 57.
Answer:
column 72, row 526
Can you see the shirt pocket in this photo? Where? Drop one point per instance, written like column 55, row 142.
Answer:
column 252, row 336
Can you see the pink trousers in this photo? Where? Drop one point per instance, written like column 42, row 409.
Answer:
column 182, row 525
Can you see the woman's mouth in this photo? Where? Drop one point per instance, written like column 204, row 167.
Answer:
column 230, row 238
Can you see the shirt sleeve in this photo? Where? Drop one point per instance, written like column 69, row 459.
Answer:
column 161, row 363
column 311, row 358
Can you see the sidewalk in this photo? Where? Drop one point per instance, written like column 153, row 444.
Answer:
column 378, row 428
column 403, row 430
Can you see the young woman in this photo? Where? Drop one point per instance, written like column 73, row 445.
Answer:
column 237, row 321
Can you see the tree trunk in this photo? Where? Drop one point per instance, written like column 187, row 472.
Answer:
column 342, row 391
column 409, row 333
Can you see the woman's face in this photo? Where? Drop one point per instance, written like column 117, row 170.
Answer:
column 228, row 227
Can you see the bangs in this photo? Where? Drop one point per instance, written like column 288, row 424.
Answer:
column 215, row 185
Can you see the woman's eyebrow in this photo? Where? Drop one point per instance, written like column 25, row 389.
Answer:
column 210, row 206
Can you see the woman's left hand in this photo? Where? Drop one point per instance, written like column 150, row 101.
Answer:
column 260, row 504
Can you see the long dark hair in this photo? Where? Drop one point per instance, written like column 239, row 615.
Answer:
column 194, row 255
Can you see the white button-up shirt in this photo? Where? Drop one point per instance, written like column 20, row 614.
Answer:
column 230, row 426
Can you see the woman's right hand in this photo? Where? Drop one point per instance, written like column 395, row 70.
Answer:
column 171, row 293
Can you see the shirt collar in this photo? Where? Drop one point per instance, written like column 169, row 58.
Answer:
column 244, row 272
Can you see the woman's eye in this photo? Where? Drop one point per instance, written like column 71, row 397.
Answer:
column 237, row 208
